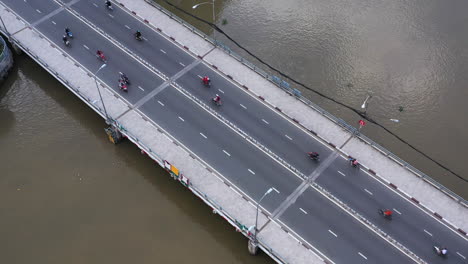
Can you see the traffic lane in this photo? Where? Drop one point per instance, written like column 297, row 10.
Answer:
column 32, row 10
column 83, row 49
column 223, row 149
column 336, row 234
column 411, row 226
column 265, row 125
column 155, row 49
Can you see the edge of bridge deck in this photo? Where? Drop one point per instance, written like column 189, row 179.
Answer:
column 402, row 177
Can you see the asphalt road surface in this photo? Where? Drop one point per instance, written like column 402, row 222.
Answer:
column 313, row 217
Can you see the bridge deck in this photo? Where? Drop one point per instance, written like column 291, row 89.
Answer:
column 233, row 154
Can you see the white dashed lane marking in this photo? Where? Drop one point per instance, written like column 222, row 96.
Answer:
column 331, row 232
column 303, row 210
column 243, row 106
column 251, row 171
column 202, row 135
column 288, row 137
column 86, row 47
column 95, row 5
column 141, row 88
column 183, row 65
column 127, row 27
column 111, row 15
column 53, row 22
column 227, row 153
column 181, row 119
column 275, row 190
column 264, row 121
column 427, row 232
column 362, row 255
column 39, row 11
column 160, row 103
column 162, row 51
column 369, row 192
column 396, row 211
column 342, row 174
column 221, row 90
column 461, row 255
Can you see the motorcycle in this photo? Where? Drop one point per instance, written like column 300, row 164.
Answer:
column 217, row 102
column 386, row 216
column 138, row 37
column 124, row 79
column 207, row 83
column 122, row 86
column 313, row 157
column 66, row 42
column 440, row 251
column 101, row 56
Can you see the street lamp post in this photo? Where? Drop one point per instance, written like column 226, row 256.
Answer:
column 214, row 21
column 99, row 91
column 256, row 217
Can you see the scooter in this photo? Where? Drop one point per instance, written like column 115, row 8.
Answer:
column 313, row 157
column 122, row 86
column 438, row 251
column 388, row 217
column 101, row 57
column 124, row 78
column 218, row 103
column 207, row 83
column 140, row 38
column 66, row 42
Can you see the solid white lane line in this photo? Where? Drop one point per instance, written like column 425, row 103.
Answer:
column 303, row 210
column 162, row 51
column 398, row 212
column 264, row 121
column 202, row 135
column 369, row 192
column 221, row 90
column 342, row 174
column 275, row 190
column 127, row 27
column 226, row 153
column 251, row 171
column 95, row 5
column 39, row 11
column 288, row 137
column 141, row 88
column 427, row 232
column 461, row 255
column 111, row 15
column 160, row 103
column 183, row 65
column 181, row 119
column 243, row 106
column 332, row 233
column 53, row 22
column 86, row 47
column 362, row 255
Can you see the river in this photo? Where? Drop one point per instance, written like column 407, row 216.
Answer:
column 70, row 196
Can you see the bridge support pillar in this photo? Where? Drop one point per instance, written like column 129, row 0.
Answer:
column 113, row 134
column 252, row 247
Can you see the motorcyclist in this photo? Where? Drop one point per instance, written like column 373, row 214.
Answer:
column 108, row 3
column 314, row 155
column 217, row 99
column 100, row 53
column 387, row 213
column 206, row 80
column 138, row 34
column 67, row 31
column 124, row 78
column 354, row 162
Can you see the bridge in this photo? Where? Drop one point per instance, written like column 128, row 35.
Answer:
column 249, row 154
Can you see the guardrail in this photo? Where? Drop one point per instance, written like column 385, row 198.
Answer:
column 295, row 92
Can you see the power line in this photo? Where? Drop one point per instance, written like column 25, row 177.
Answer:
column 361, row 114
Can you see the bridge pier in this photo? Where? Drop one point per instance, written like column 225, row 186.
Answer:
column 252, row 246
